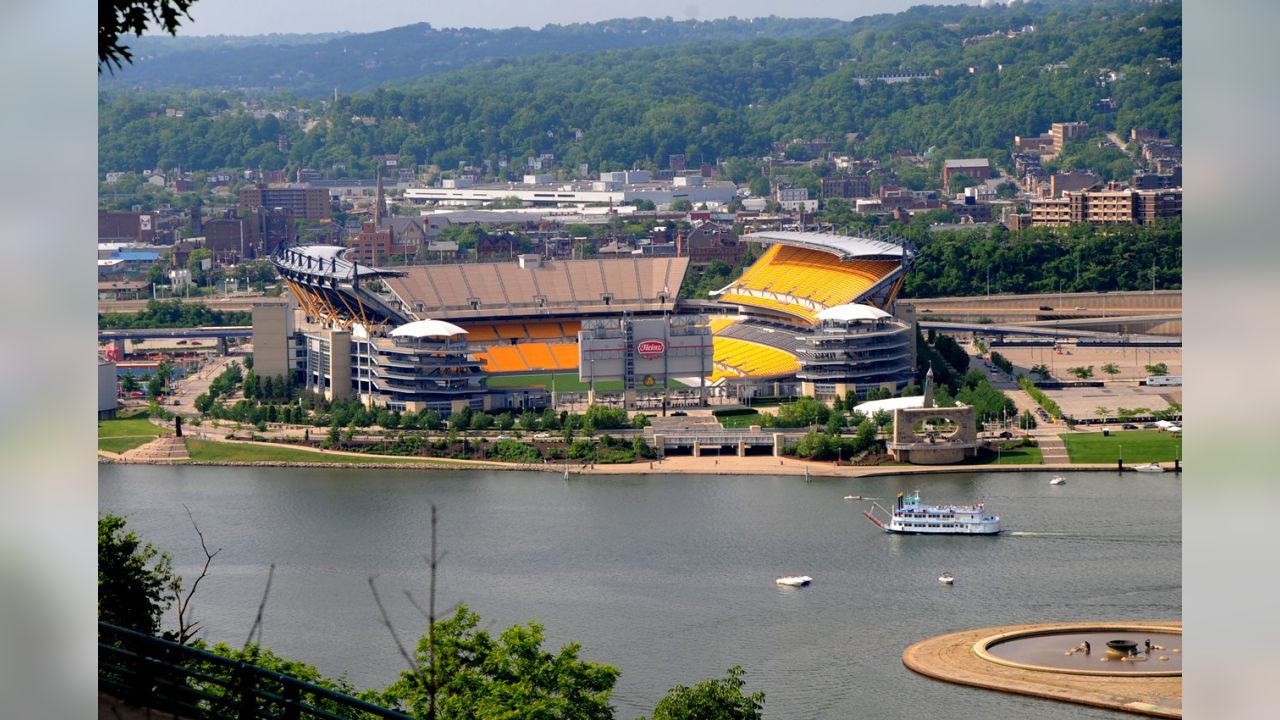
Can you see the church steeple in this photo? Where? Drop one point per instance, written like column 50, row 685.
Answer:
column 378, row 202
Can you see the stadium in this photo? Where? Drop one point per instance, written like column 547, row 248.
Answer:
column 812, row 316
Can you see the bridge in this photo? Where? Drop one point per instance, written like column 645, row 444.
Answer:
column 1064, row 328
column 220, row 333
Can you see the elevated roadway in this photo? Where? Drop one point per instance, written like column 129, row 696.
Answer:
column 244, row 303
column 1074, row 328
column 220, row 333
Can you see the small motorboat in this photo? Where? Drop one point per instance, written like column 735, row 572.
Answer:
column 1058, row 480
column 946, row 579
column 1151, row 467
column 852, row 497
column 795, row 580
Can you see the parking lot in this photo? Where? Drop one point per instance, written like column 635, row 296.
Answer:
column 1121, row 390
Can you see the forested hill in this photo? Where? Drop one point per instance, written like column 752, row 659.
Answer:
column 713, row 101
column 317, row 65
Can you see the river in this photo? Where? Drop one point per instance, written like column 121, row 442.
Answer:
column 670, row 578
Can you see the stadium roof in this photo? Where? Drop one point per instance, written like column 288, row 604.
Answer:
column 324, row 260
column 881, row 245
column 852, row 312
column 428, row 328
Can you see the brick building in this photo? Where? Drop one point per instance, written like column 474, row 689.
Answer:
column 1111, row 206
column 858, row 186
column 126, row 227
column 247, row 234
column 306, row 203
column 711, row 241
column 976, row 168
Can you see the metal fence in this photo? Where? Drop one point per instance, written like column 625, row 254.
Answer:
column 147, row 671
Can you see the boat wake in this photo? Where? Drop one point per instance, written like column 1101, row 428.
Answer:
column 1092, row 538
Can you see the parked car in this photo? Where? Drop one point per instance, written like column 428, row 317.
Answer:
column 1130, row 426
column 1045, row 307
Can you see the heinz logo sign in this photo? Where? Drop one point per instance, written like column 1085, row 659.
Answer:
column 651, row 348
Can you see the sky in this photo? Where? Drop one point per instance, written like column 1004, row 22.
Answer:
column 258, row 17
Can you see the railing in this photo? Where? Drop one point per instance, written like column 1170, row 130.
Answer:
column 191, row 683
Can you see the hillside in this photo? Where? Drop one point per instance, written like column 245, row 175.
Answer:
column 316, row 65
column 960, row 80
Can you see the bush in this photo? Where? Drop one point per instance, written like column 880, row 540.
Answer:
column 515, row 452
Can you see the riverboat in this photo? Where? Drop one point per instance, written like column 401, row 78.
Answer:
column 795, row 580
column 912, row 517
column 1151, row 467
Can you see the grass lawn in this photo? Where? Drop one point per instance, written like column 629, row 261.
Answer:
column 215, row 451
column 740, row 421
column 120, row 444
column 1138, row 446
column 565, row 382
column 131, row 426
column 126, row 433
column 1019, row 456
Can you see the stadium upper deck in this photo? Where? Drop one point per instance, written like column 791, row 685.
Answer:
column 328, row 287
column 545, row 288
column 804, row 273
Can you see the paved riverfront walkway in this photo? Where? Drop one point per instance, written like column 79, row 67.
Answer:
column 951, row 658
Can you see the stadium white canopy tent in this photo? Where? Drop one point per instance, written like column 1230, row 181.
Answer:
column 853, row 312
column 428, row 328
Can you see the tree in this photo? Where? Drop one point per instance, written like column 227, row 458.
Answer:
column 204, row 403
column 1157, row 369
column 1111, row 369
column 1102, row 411
column 816, row 446
column 479, row 676
column 1082, row 372
column 129, row 382
column 136, row 583
column 711, row 699
column 155, row 386
column 1042, row 370
column 117, row 17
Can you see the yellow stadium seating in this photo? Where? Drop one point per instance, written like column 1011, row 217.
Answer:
column 740, row 358
column 480, row 333
column 506, row 359
column 566, row 355
column 720, row 323
column 537, row 355
column 809, row 275
column 544, row 331
column 514, row 331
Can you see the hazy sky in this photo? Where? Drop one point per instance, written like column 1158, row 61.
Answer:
column 256, row 17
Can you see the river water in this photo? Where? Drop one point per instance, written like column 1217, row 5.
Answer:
column 670, row 578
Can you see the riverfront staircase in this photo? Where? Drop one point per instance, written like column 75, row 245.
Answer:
column 1053, row 449
column 164, row 449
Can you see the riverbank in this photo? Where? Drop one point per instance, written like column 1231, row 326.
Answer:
column 674, row 465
